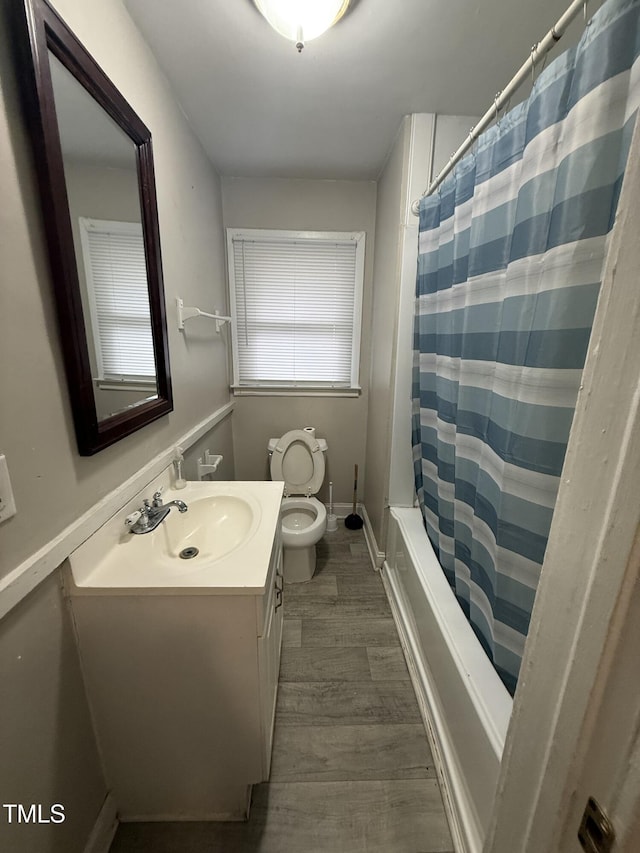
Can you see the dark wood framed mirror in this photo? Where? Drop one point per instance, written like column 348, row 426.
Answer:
column 95, row 168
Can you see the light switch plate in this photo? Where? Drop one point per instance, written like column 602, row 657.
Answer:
column 7, row 503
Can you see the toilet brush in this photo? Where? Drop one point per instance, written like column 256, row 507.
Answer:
column 332, row 521
column 353, row 521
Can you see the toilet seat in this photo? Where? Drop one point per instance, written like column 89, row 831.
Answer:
column 304, row 520
column 298, row 460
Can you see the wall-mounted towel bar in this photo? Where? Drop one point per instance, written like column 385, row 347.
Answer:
column 185, row 313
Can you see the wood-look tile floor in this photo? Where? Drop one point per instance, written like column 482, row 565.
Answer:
column 351, row 769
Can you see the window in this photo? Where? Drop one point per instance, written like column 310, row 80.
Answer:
column 296, row 299
column 116, row 275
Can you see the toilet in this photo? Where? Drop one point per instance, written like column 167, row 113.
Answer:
column 298, row 459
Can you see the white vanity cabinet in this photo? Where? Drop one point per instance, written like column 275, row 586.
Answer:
column 269, row 647
column 182, row 685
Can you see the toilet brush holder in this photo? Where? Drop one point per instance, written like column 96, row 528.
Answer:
column 332, row 521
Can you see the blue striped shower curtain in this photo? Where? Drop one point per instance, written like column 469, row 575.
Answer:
column 511, row 256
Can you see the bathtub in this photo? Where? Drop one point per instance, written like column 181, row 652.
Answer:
column 464, row 703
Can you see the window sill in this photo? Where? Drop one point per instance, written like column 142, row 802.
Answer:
column 125, row 385
column 285, row 391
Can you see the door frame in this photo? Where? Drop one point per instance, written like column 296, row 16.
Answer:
column 589, row 570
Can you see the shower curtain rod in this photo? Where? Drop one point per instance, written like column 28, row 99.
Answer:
column 539, row 51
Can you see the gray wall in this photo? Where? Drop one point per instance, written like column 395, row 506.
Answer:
column 47, row 747
column 307, row 205
column 36, row 430
column 450, row 133
column 391, row 195
column 47, row 751
column 403, row 178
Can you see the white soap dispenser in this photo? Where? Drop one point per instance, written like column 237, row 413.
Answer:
column 178, row 463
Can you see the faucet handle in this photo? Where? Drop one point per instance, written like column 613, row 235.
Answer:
column 130, row 520
column 145, row 515
column 157, row 497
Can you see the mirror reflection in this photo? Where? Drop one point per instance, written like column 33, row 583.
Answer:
column 101, row 177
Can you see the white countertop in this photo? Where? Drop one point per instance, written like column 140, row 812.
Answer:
column 116, row 562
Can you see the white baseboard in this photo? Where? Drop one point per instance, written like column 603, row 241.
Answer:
column 341, row 510
column 104, row 829
column 377, row 556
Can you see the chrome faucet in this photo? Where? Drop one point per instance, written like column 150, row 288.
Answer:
column 152, row 513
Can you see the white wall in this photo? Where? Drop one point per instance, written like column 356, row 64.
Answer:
column 46, row 745
column 420, row 145
column 449, row 134
column 306, row 205
column 391, row 195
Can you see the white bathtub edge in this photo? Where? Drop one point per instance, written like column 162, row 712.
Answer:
column 483, row 702
column 455, row 796
column 489, row 695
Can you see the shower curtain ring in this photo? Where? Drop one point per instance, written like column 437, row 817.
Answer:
column 533, row 64
column 497, row 108
column 473, row 141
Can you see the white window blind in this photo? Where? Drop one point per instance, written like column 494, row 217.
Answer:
column 119, row 300
column 295, row 300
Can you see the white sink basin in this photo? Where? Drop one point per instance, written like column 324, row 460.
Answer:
column 223, row 541
column 214, row 526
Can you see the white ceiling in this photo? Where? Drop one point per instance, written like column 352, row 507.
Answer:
column 261, row 109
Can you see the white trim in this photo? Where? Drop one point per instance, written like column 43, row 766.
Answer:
column 104, row 226
column 125, row 385
column 31, row 572
column 84, row 225
column 360, row 238
column 104, row 829
column 341, row 511
column 376, row 556
column 419, row 165
column 588, row 565
column 299, row 391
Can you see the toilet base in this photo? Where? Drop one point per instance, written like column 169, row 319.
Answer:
column 299, row 564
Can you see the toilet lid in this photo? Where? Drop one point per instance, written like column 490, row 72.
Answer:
column 298, row 460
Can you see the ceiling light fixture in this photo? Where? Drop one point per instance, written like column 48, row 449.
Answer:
column 302, row 20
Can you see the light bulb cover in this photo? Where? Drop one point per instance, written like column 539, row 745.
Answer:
column 302, row 20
